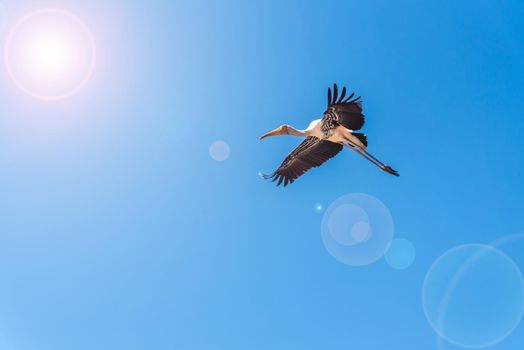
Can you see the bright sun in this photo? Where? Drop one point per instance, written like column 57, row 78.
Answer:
column 50, row 54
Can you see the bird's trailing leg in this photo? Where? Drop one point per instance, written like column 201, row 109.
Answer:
column 383, row 166
column 371, row 158
column 358, row 151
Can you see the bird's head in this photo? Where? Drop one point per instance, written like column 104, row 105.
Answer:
column 281, row 130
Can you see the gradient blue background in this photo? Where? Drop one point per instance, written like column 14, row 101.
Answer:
column 118, row 231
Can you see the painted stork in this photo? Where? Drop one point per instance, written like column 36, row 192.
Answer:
column 325, row 138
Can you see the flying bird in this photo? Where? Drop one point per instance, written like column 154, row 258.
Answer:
column 325, row 138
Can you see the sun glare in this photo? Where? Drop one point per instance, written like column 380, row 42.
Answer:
column 50, row 54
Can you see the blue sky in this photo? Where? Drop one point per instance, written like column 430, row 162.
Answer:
column 118, row 231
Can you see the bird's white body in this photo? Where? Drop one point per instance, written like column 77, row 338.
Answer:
column 339, row 135
column 314, row 129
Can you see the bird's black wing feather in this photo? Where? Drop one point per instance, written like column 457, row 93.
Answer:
column 312, row 152
column 343, row 111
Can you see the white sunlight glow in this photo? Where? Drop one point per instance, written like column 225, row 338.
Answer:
column 50, row 54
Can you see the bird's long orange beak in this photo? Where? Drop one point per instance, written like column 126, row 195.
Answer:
column 275, row 132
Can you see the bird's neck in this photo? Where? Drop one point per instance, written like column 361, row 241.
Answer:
column 295, row 132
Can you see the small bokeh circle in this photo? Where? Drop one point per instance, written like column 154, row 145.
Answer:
column 356, row 229
column 473, row 296
column 401, row 254
column 219, row 151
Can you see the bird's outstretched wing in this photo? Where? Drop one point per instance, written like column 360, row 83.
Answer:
column 312, row 152
column 343, row 111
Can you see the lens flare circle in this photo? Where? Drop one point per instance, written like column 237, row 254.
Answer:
column 356, row 229
column 219, row 151
column 50, row 54
column 401, row 254
column 473, row 296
